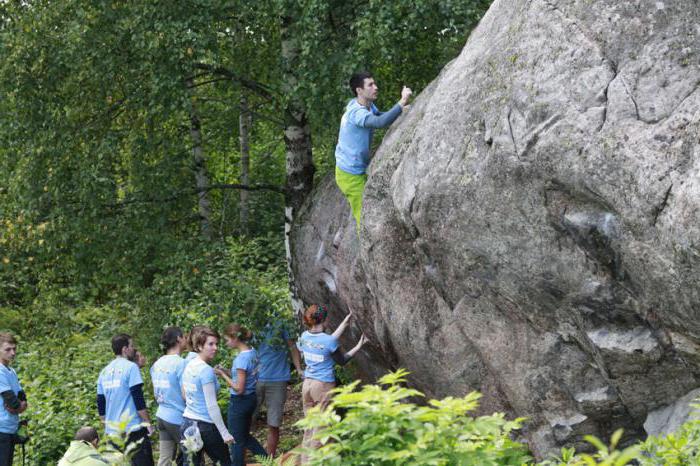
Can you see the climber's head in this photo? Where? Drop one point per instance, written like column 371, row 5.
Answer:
column 315, row 314
column 363, row 86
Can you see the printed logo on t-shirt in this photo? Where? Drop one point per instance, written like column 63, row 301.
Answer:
column 164, row 384
column 189, row 387
column 111, row 384
column 313, row 357
column 312, row 344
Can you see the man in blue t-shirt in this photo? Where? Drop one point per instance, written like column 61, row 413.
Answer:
column 120, row 401
column 357, row 126
column 274, row 376
column 14, row 401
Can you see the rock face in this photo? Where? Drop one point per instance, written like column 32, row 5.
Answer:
column 531, row 227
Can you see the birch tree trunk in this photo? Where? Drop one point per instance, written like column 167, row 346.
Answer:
column 200, row 167
column 244, row 124
column 297, row 138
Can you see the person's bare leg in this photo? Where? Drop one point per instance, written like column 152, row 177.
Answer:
column 273, row 438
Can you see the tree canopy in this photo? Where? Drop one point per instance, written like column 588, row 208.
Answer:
column 122, row 158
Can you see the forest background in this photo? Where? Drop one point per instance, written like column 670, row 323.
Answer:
column 151, row 154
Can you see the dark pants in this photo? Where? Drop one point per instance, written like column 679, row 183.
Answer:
column 143, row 454
column 7, row 449
column 240, row 415
column 214, row 445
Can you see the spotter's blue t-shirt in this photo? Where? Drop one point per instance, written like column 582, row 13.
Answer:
column 272, row 354
column 166, row 375
column 190, row 356
column 196, row 375
column 115, row 382
column 317, row 349
column 9, row 423
column 248, row 361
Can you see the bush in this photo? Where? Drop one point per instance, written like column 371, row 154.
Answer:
column 381, row 428
column 60, row 382
column 679, row 448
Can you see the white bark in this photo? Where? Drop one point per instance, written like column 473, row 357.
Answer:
column 299, row 160
column 200, row 167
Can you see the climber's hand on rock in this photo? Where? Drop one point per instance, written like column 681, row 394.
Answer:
column 406, row 94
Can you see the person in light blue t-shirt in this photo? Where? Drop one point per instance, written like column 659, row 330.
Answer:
column 166, row 375
column 244, row 378
column 321, row 351
column 352, row 153
column 13, row 401
column 200, row 386
column 274, row 349
column 120, row 397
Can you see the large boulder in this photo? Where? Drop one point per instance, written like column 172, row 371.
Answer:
column 531, row 227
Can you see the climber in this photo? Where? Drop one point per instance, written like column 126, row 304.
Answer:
column 321, row 351
column 352, row 153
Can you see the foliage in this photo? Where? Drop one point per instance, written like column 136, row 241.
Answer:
column 95, row 143
column 675, row 449
column 59, row 378
column 63, row 346
column 381, row 428
column 604, row 456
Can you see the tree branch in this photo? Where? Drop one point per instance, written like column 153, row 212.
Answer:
column 215, row 80
column 262, row 116
column 259, row 88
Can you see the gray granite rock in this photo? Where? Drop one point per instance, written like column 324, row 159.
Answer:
column 531, row 227
column 668, row 419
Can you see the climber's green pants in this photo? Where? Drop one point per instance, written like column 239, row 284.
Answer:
column 352, row 187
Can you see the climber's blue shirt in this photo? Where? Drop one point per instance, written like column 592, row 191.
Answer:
column 355, row 136
column 317, row 349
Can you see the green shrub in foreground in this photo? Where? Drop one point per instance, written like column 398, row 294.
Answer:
column 679, row 448
column 381, row 428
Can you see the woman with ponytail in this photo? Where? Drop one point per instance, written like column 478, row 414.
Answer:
column 242, row 382
column 321, row 351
